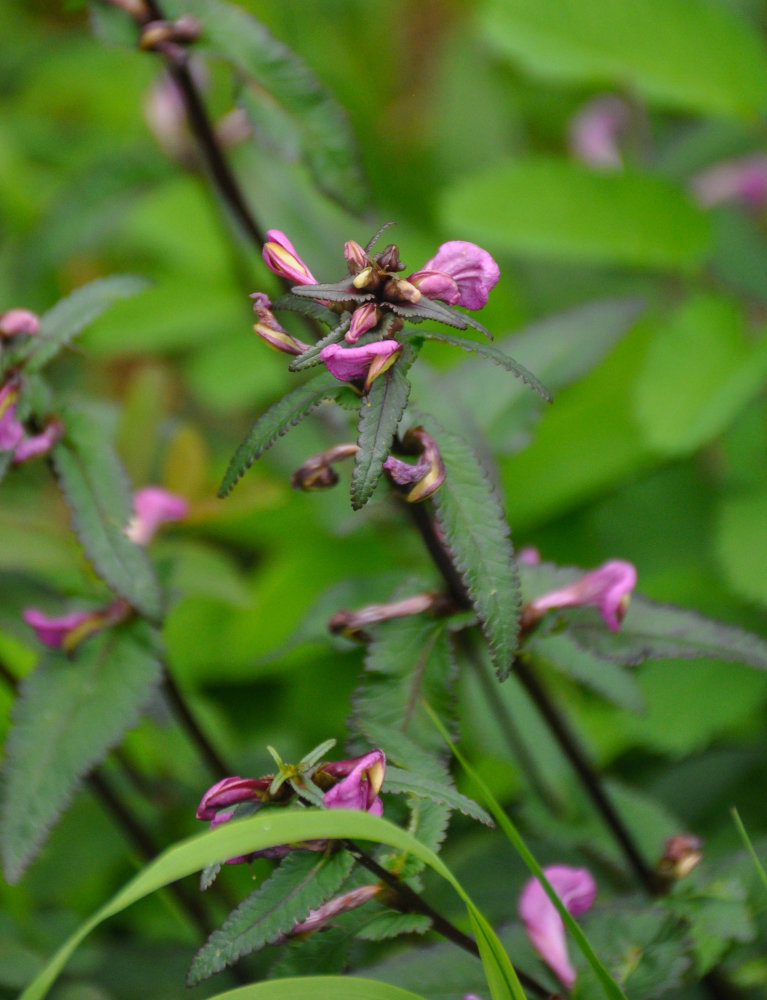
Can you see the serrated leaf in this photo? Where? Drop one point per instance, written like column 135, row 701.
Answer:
column 492, row 354
column 303, row 881
column 690, row 54
column 302, row 104
column 312, row 355
column 94, row 485
column 399, row 780
column 477, row 534
column 208, row 875
column 610, row 680
column 432, row 309
column 277, row 420
column 336, row 291
column 380, row 413
column 388, row 925
column 61, row 324
column 69, row 714
column 307, row 307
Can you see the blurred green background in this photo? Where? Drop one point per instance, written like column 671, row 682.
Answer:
column 643, row 307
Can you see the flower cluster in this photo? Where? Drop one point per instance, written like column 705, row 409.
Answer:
column 377, row 299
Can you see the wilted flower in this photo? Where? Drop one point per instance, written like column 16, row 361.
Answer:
column 681, row 854
column 426, row 475
column 317, row 472
column 319, row 918
column 368, row 361
column 609, row 588
column 282, row 258
column 362, row 780
column 460, row 273
column 16, row 321
column 596, row 129
column 576, row 889
column 152, row 507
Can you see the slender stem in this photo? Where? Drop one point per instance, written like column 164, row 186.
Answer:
column 207, row 751
column 408, row 901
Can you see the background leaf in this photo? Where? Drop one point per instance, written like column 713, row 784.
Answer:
column 69, row 714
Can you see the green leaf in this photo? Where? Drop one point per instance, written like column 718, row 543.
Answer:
column 306, row 307
column 61, row 324
column 336, row 291
column 432, row 309
column 312, row 355
column 491, row 353
column 94, row 485
column 699, row 372
column 69, row 714
column 287, row 88
column 259, row 832
column 319, row 988
column 413, row 783
column 380, row 413
column 692, row 55
column 277, row 420
column 741, row 544
column 477, row 534
column 558, row 210
column 303, row 881
column 390, row 924
column 610, row 680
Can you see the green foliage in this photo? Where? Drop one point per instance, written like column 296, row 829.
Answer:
column 477, row 535
column 413, row 783
column 69, row 714
column 303, row 880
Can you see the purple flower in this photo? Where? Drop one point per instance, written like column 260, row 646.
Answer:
column 608, row 588
column 529, row 555
column 428, row 473
column 460, row 274
column 67, row 631
column 361, row 782
column 364, row 318
column 595, row 130
column 368, row 361
column 282, row 258
column 152, row 507
column 38, row 444
column 740, row 180
column 16, row 321
column 576, row 889
column 270, row 330
column 11, row 431
column 231, row 792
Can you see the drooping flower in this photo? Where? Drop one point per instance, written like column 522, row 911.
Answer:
column 609, row 588
column 426, row 475
column 67, row 631
column 367, row 361
column 317, row 472
column 596, row 129
column 282, row 258
column 16, row 321
column 362, row 778
column 576, row 889
column 30, row 446
column 152, row 507
column 460, row 273
column 271, row 331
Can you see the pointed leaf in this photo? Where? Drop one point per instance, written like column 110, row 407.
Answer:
column 319, row 988
column 610, row 680
column 277, row 420
column 94, row 485
column 303, row 881
column 433, row 309
column 390, row 924
column 69, row 714
column 477, row 534
column 307, row 307
column 312, row 356
column 61, row 324
column 287, row 87
column 413, row 783
column 380, row 413
column 337, row 291
column 491, row 353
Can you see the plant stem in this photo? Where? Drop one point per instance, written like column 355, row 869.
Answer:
column 207, row 751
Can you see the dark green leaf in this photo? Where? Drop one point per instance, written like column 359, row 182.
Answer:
column 390, row 924
column 477, row 534
column 312, row 356
column 492, row 354
column 432, row 309
column 94, row 485
column 69, row 713
column 338, row 291
column 277, row 420
column 303, row 881
column 610, row 680
column 307, row 307
column 413, row 783
column 61, row 324
column 289, row 86
column 380, row 413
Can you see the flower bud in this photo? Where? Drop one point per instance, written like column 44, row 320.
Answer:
column 352, row 623
column 356, row 258
column 16, row 321
column 11, row 430
column 681, row 854
column 319, row 918
column 427, row 474
column 388, row 259
column 609, row 588
column 317, row 472
column 364, row 318
column 362, row 780
column 282, row 258
column 401, row 290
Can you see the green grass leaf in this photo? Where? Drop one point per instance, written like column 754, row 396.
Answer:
column 477, row 534
column 558, row 210
column 319, row 988
column 277, row 420
column 692, row 55
column 69, row 714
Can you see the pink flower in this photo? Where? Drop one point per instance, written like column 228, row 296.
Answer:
column 364, row 318
column 231, row 792
column 576, row 889
column 16, row 321
column 316, row 919
column 595, row 130
column 349, row 364
column 460, row 274
column 152, row 507
column 426, row 475
column 362, row 780
column 282, row 258
column 529, row 555
column 67, row 631
column 608, row 588
column 38, row 444
column 270, row 330
column 740, row 180
column 11, row 430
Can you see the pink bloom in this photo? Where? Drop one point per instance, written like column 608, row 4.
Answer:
column 608, row 588
column 595, row 130
column 739, row 180
column 364, row 318
column 270, row 330
column 349, row 364
column 52, row 631
column 529, row 555
column 427, row 474
column 460, row 274
column 362, row 780
column 576, row 889
column 282, row 258
column 38, row 444
column 11, row 431
column 153, row 506
column 16, row 321
column 231, row 792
